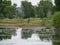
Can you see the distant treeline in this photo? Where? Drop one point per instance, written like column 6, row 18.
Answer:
column 43, row 9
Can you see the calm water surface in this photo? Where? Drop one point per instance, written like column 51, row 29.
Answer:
column 20, row 37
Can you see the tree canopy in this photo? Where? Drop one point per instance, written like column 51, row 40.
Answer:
column 57, row 3
column 6, row 9
column 27, row 9
column 44, row 7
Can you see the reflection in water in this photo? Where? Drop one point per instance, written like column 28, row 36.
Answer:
column 32, row 39
column 26, row 33
column 6, row 33
column 43, row 34
column 18, row 34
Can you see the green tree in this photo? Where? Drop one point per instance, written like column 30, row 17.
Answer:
column 57, row 3
column 40, row 13
column 44, row 7
column 1, row 9
column 28, row 9
column 6, row 9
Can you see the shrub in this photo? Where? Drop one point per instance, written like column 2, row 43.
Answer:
column 56, row 24
column 56, row 19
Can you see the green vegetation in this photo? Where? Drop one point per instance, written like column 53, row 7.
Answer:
column 56, row 19
column 43, row 8
column 56, row 22
column 27, row 9
column 57, row 7
column 30, row 15
column 7, row 10
column 24, row 22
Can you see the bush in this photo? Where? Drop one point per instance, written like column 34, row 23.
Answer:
column 56, row 24
column 56, row 19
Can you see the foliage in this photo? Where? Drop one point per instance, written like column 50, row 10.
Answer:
column 56, row 19
column 6, row 9
column 56, row 24
column 27, row 9
column 24, row 22
column 43, row 8
column 57, row 3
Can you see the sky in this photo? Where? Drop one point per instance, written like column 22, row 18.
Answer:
column 34, row 2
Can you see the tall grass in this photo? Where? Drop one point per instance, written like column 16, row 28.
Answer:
column 24, row 22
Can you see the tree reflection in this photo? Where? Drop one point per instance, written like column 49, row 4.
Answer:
column 56, row 38
column 26, row 33
column 44, row 34
column 6, row 33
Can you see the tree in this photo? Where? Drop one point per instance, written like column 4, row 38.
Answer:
column 44, row 7
column 28, row 9
column 1, row 9
column 40, row 13
column 57, row 3
column 6, row 9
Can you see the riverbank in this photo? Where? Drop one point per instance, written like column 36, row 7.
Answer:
column 34, row 22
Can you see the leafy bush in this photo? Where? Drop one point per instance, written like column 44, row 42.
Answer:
column 56, row 19
column 56, row 24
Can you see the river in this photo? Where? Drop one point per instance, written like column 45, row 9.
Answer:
column 15, row 38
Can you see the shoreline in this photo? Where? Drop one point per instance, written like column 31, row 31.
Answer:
column 21, row 26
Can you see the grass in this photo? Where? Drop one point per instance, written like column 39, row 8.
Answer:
column 24, row 22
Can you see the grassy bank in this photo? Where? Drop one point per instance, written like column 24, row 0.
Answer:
column 24, row 22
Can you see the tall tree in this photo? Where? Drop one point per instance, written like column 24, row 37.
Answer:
column 57, row 3
column 1, row 8
column 6, row 9
column 45, row 8
column 27, row 9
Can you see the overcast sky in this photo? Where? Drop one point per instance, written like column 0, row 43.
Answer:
column 18, row 2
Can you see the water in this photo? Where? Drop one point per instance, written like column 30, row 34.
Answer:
column 17, row 40
column 34, row 37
